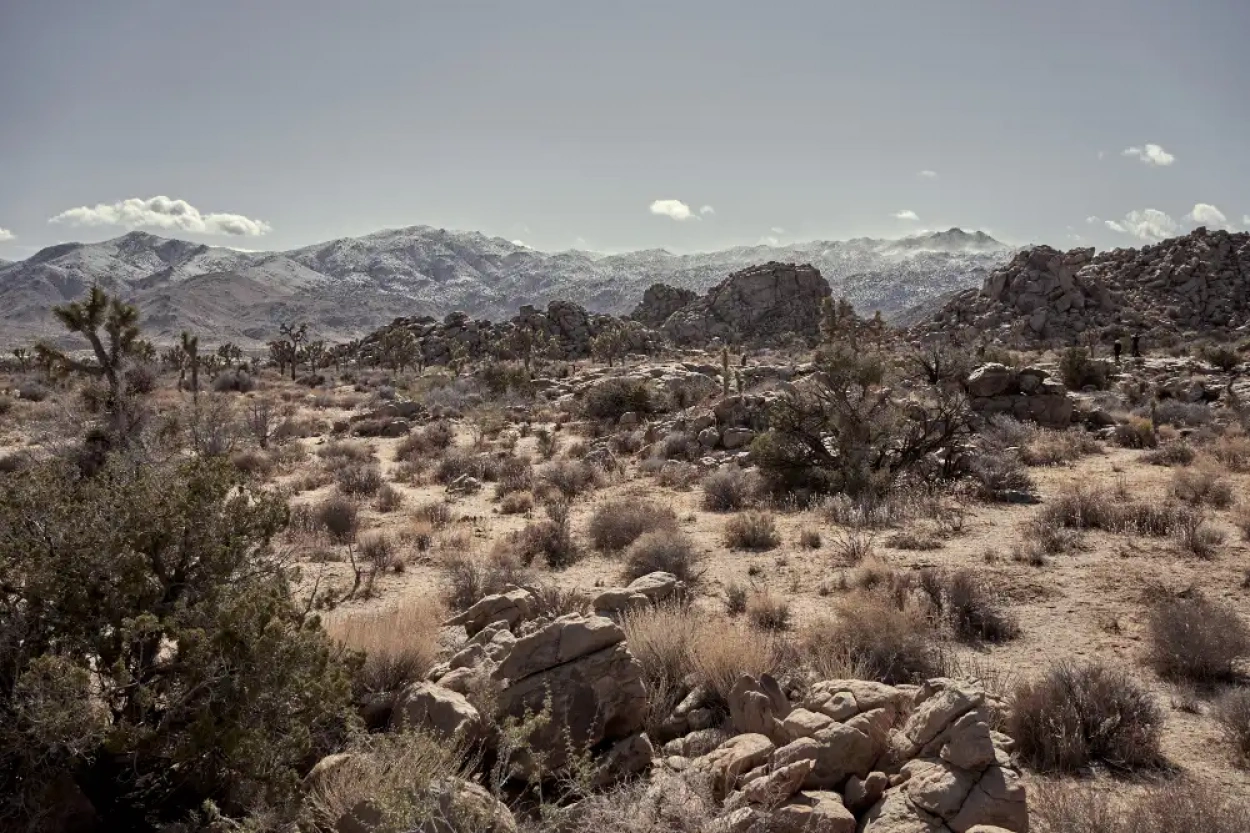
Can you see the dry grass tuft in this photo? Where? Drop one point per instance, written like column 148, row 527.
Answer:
column 400, row 644
column 768, row 611
column 1232, row 712
column 753, row 531
column 1203, row 485
column 1176, row 807
column 873, row 638
column 468, row 576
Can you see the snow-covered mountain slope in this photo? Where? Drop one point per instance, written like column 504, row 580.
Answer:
column 350, row 286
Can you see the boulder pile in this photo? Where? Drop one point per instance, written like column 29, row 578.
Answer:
column 565, row 328
column 764, row 303
column 1024, row 393
column 1045, row 297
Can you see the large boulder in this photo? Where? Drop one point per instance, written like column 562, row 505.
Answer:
column 436, row 709
column 659, row 301
column 576, row 674
column 757, row 304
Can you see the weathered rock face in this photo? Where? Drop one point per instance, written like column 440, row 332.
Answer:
column 578, row 671
column 659, row 302
column 1197, row 282
column 1024, row 393
column 849, row 741
column 762, row 303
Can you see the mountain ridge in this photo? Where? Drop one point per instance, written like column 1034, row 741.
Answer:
column 350, row 285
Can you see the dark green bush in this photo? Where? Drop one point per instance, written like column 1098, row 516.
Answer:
column 152, row 655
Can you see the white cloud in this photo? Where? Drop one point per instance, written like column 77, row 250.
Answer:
column 520, row 243
column 162, row 213
column 1102, row 154
column 707, row 209
column 1245, row 221
column 1092, row 220
column 777, row 230
column 1205, row 214
column 1149, row 225
column 6, row 235
column 906, row 214
column 676, row 209
column 927, row 174
column 1151, row 155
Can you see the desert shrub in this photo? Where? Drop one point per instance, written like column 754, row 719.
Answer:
column 963, row 600
column 234, row 381
column 570, row 478
column 399, row 645
column 1173, row 454
column 458, row 463
column 1075, row 715
column 617, row 523
column 1079, row 370
column 1176, row 412
column 809, row 539
column 436, row 513
column 1135, row 433
column 849, row 431
column 550, row 539
column 915, row 540
column 1176, row 807
column 1202, row 485
column 339, row 516
column 14, row 462
column 853, row 546
column 356, row 479
column 754, row 531
column 406, row 777
column 1079, row 508
column 345, row 452
column 1232, row 712
column 253, row 462
column 468, row 577
column 735, row 599
column 1047, row 447
column 612, row 397
column 1232, row 450
column 676, row 475
column 665, row 550
column 516, row 503
column 727, row 490
column 871, row 638
column 768, row 611
column 1197, row 537
column 1220, row 356
column 1001, row 477
column 1194, row 638
column 31, row 392
column 388, row 499
column 679, row 446
column 154, row 656
column 516, row 474
column 433, row 438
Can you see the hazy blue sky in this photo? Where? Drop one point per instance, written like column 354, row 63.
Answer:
column 279, row 123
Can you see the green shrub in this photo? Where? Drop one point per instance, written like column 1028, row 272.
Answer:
column 756, row 531
column 618, row 523
column 612, row 397
column 1079, row 370
column 153, row 652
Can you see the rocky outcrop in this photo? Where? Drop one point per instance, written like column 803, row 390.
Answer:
column 770, row 302
column 1044, row 297
column 578, row 674
column 1024, row 393
column 564, row 329
column 855, row 755
column 644, row 591
column 660, row 301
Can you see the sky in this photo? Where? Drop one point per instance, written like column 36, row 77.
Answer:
column 683, row 124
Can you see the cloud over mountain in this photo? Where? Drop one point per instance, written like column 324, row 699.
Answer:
column 162, row 213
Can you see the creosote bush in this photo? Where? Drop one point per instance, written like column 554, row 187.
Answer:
column 727, row 490
column 1232, row 712
column 754, row 531
column 1194, row 638
column 611, row 398
column 617, row 523
column 666, row 550
column 1076, row 715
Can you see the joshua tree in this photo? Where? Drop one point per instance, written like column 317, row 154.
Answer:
column 119, row 340
column 609, row 344
column 191, row 352
column 295, row 337
column 23, row 358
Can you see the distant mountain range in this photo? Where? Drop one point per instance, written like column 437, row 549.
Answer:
column 350, row 286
